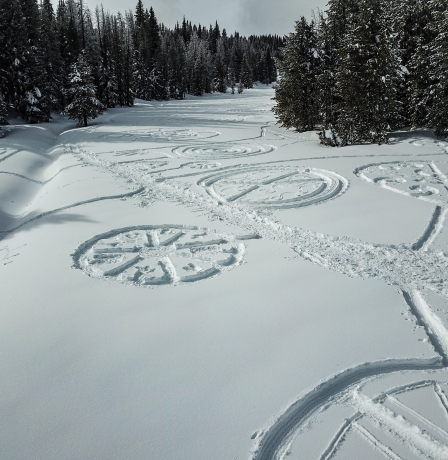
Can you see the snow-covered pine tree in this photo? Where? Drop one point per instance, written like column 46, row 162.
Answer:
column 107, row 81
column 220, row 80
column 331, row 29
column 124, row 49
column 325, row 80
column 3, row 111
column 246, row 72
column 35, row 102
column 295, row 94
column 366, row 78
column 84, row 105
column 178, row 67
column 410, row 18
column 231, row 77
column 437, row 98
column 12, row 52
column 50, row 57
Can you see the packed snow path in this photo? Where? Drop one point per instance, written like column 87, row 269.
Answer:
column 245, row 173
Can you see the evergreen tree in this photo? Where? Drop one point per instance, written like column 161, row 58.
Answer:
column 3, row 111
column 13, row 53
column 246, row 73
column 437, row 94
column 411, row 18
column 220, row 80
column 84, row 105
column 325, row 76
column 50, row 57
column 128, row 56
column 296, row 94
column 366, row 79
column 330, row 32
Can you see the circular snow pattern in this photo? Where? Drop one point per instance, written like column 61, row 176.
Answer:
column 201, row 165
column 272, row 186
column 165, row 134
column 424, row 180
column 415, row 412
column 222, row 151
column 180, row 134
column 145, row 165
column 154, row 255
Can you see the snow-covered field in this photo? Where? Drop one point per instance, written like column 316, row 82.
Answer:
column 188, row 281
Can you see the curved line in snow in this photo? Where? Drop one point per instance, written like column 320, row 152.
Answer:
column 74, row 205
column 301, row 410
column 40, row 182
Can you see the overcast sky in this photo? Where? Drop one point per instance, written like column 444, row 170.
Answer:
column 245, row 16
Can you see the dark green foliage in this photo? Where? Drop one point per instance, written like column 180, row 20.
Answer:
column 83, row 104
column 377, row 65
column 296, row 93
column 3, row 111
column 366, row 79
column 129, row 56
column 437, row 92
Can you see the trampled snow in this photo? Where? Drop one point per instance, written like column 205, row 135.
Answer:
column 187, row 280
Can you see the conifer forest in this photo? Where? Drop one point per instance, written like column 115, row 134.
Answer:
column 355, row 72
column 364, row 68
column 82, row 62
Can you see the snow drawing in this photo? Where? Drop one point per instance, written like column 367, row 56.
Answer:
column 154, row 255
column 275, row 187
column 423, row 180
column 222, row 151
column 159, row 134
column 201, row 165
column 413, row 269
column 389, row 421
column 388, row 425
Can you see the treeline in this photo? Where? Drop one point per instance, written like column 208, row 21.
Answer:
column 48, row 57
column 364, row 68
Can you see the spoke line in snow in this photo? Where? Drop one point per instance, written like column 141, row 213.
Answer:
column 419, row 417
column 298, row 413
column 408, row 433
column 442, row 397
column 434, row 328
column 434, row 228
column 375, row 442
column 439, row 173
column 331, row 449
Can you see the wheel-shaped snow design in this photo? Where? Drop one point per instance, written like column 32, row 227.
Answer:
column 145, row 165
column 164, row 134
column 151, row 255
column 272, row 186
column 222, row 151
column 424, row 180
column 379, row 415
column 399, row 423
column 201, row 165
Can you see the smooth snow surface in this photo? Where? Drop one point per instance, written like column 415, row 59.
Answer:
column 186, row 280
